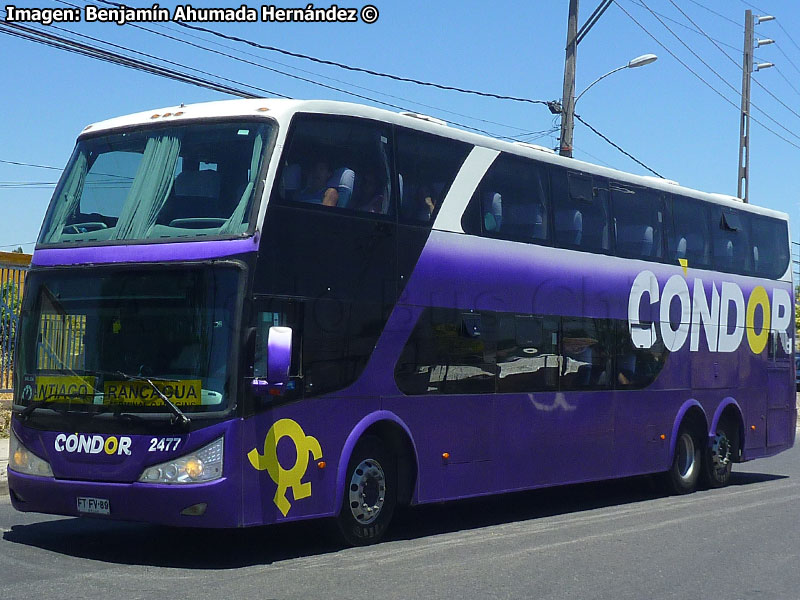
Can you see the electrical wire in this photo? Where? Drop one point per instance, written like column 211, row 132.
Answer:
column 24, row 164
column 698, row 76
column 33, row 35
column 164, row 60
column 725, row 81
column 695, row 30
column 515, row 128
column 758, row 83
column 63, row 43
column 361, row 96
column 626, row 153
column 345, row 66
column 720, row 15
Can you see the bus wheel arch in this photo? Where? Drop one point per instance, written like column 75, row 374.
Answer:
column 687, row 448
column 379, row 456
column 724, row 444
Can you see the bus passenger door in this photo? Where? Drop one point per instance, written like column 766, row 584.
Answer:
column 780, row 391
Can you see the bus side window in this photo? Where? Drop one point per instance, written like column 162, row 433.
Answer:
column 426, row 167
column 514, row 200
column 580, row 212
column 449, row 352
column 689, row 237
column 768, row 239
column 636, row 368
column 638, row 222
column 334, row 161
column 527, row 353
column 731, row 241
column 586, row 350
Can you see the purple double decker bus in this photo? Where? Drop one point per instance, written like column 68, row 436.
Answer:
column 257, row 311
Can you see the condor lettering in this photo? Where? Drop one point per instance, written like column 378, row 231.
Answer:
column 724, row 316
column 92, row 444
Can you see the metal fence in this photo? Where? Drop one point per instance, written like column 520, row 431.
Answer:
column 13, row 268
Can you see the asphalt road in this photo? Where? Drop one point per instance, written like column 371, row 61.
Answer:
column 613, row 540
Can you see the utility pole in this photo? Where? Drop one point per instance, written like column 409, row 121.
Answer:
column 568, row 97
column 743, row 187
column 744, row 124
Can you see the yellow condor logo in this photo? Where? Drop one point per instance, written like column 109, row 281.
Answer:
column 286, row 478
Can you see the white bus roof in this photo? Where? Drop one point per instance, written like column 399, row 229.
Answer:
column 282, row 111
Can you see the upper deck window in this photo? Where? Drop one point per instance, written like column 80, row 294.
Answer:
column 638, row 221
column 338, row 162
column 514, row 200
column 426, row 167
column 364, row 168
column 188, row 181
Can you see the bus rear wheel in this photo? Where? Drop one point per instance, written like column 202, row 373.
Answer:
column 370, row 495
column 720, row 454
column 684, row 473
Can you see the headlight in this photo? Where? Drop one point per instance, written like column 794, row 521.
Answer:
column 201, row 465
column 22, row 460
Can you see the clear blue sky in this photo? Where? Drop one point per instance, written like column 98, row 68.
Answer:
column 661, row 113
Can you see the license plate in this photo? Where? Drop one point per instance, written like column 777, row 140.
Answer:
column 96, row 506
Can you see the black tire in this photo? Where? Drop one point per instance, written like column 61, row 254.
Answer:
column 720, row 454
column 684, row 473
column 370, row 493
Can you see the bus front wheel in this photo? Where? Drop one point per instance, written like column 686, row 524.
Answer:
column 684, row 473
column 370, row 495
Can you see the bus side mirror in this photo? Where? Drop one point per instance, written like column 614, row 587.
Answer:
column 279, row 359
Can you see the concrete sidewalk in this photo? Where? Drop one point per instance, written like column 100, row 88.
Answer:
column 3, row 466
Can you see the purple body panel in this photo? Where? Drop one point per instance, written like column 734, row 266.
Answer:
column 495, row 442
column 177, row 251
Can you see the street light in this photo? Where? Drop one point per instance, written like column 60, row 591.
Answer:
column 639, row 61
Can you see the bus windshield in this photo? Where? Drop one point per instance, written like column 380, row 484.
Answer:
column 95, row 339
column 170, row 183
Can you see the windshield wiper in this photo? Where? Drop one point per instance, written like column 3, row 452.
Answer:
column 28, row 410
column 178, row 416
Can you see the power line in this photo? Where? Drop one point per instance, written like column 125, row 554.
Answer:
column 317, row 83
column 786, row 79
column 786, row 56
column 19, row 244
column 345, row 66
column 167, row 61
column 725, row 81
column 720, row 15
column 23, row 164
column 698, row 76
column 237, row 58
column 62, row 43
column 695, row 29
column 628, row 154
column 40, row 37
column 758, row 83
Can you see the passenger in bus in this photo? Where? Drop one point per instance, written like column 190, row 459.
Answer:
column 371, row 194
column 569, row 227
column 492, row 212
column 326, row 186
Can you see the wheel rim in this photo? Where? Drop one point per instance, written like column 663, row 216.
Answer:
column 367, row 492
column 686, row 457
column 721, row 453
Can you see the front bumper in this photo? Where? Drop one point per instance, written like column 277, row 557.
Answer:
column 151, row 503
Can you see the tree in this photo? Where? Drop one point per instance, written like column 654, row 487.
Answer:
column 10, row 301
column 18, row 250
